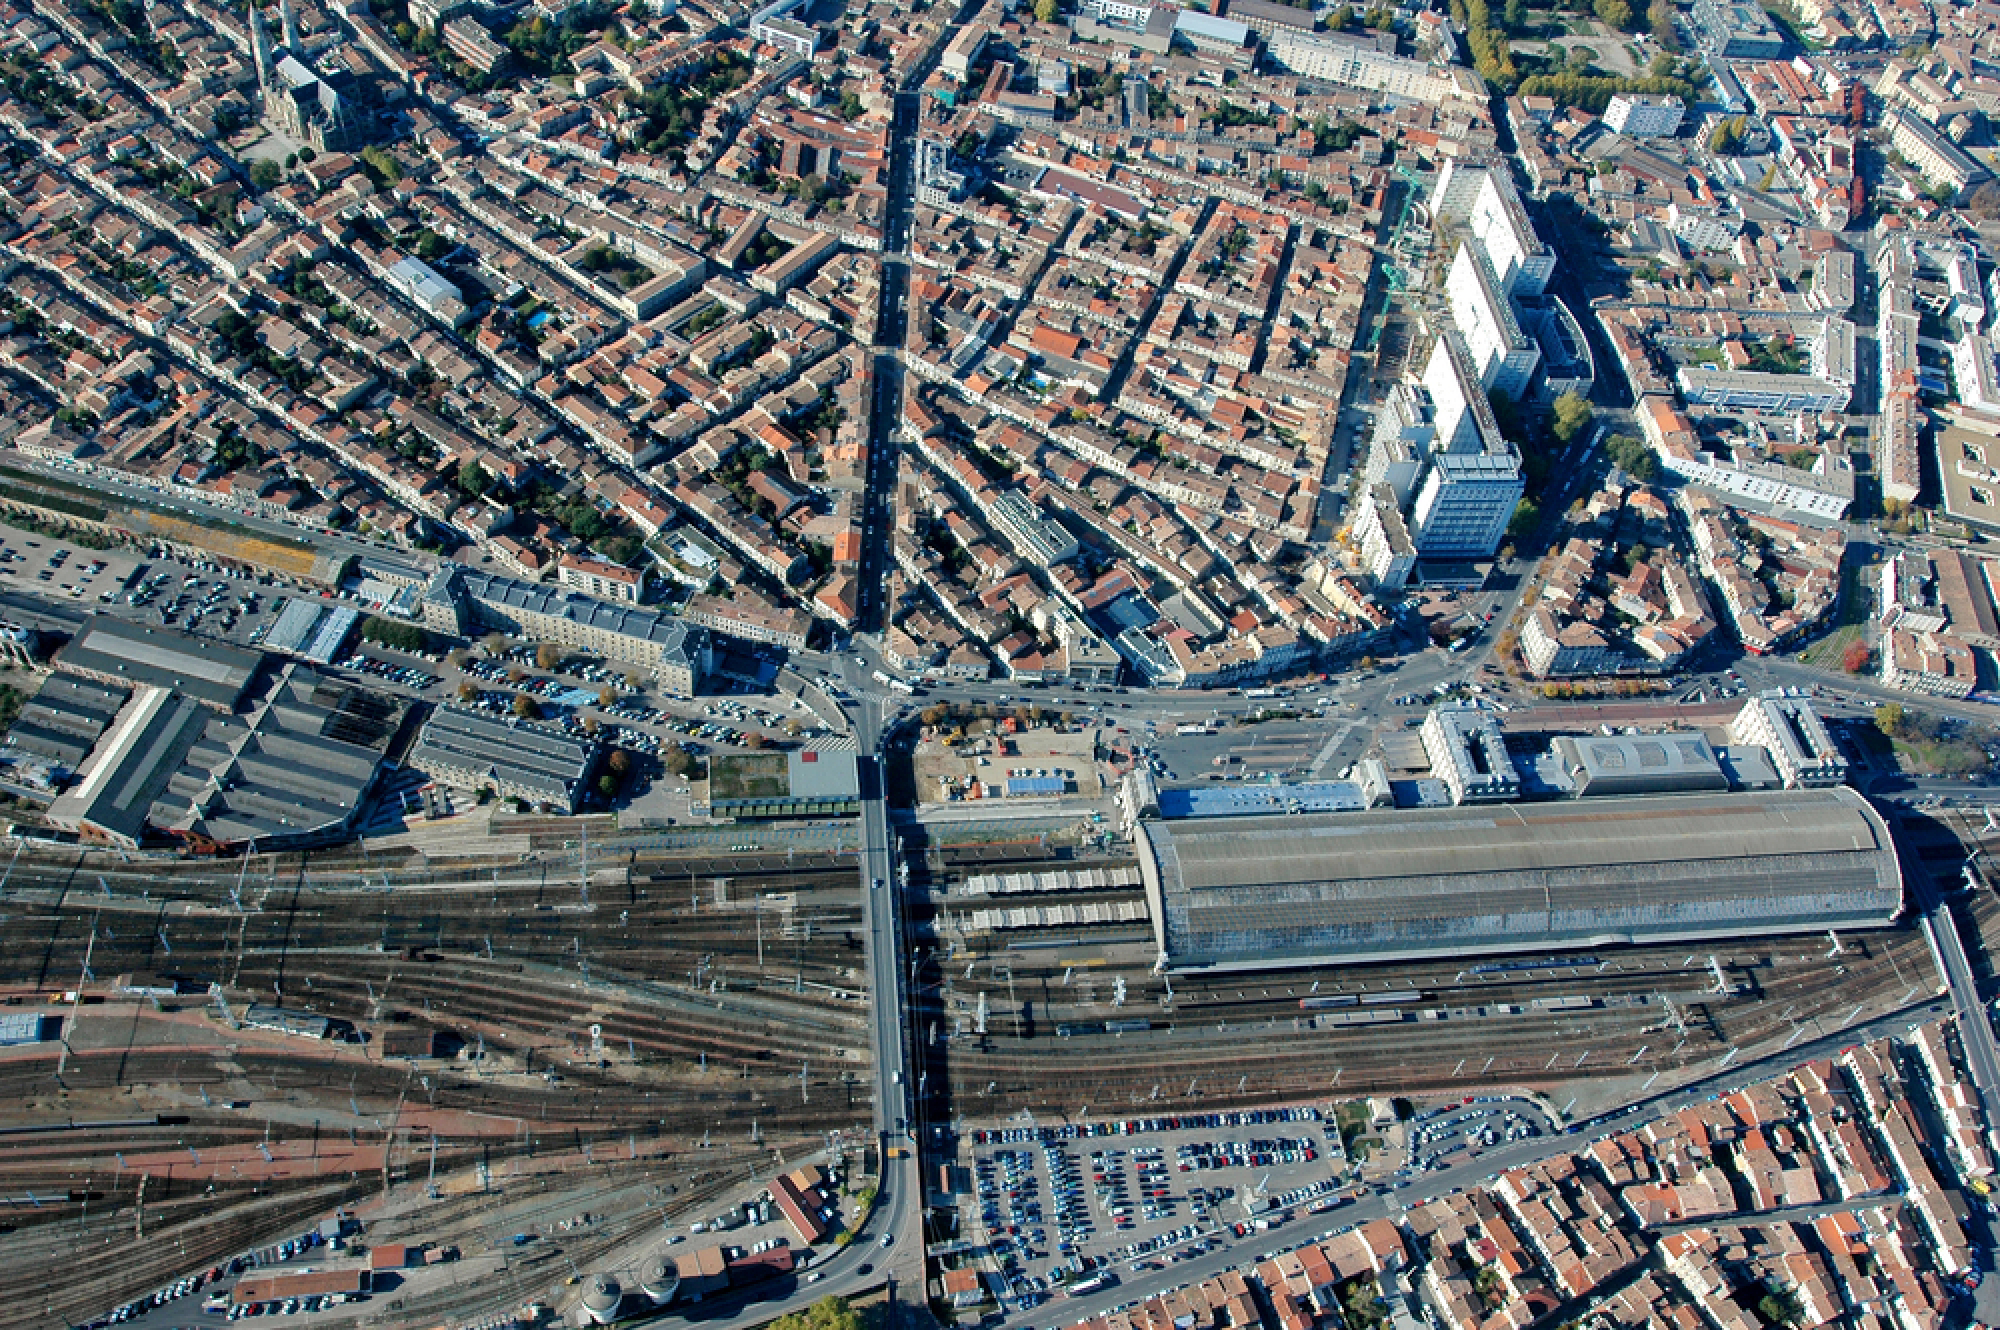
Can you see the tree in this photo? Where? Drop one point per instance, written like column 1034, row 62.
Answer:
column 496, row 644
column 677, row 760
column 1660, row 18
column 390, row 633
column 619, row 763
column 467, row 690
column 826, row 1314
column 1516, row 16
column 607, row 697
column 1045, row 11
column 1889, row 718
column 458, row 657
column 526, row 707
column 1779, row 1307
column 591, row 725
column 753, row 740
column 381, row 164
column 473, row 480
column 1632, row 456
column 265, row 174
column 548, row 655
column 1527, row 516
column 1615, row 13
column 1572, row 417
column 1856, row 658
column 634, row 680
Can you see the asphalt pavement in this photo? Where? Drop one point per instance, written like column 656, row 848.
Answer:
column 1391, row 1201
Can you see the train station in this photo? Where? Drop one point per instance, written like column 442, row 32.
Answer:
column 1276, row 892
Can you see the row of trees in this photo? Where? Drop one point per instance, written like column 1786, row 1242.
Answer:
column 1594, row 92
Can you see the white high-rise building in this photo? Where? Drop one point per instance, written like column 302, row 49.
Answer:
column 1473, row 482
column 1460, row 413
column 1504, row 357
column 1521, row 262
column 1455, row 191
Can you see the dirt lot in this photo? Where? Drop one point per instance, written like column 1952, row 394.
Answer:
column 983, row 759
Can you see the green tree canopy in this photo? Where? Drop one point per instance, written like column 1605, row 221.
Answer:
column 826, row 1314
column 265, row 174
column 1572, row 417
column 1527, row 516
column 390, row 633
column 1633, row 457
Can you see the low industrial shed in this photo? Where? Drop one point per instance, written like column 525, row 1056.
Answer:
column 1274, row 892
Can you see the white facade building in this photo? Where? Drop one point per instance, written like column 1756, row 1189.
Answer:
column 1386, row 548
column 1502, row 354
column 1800, row 747
column 1639, row 117
column 1469, row 755
column 1039, row 538
column 1334, row 59
column 1521, row 262
column 1972, row 373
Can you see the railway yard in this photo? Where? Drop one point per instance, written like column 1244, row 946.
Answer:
column 1075, row 1021
column 641, row 1033
column 520, row 1030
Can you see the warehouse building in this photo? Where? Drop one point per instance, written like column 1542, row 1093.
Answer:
column 181, row 737
column 516, row 759
column 64, row 720
column 291, row 770
column 127, row 655
column 130, row 767
column 1277, row 892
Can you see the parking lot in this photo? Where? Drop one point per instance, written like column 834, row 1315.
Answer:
column 1066, row 1206
column 156, row 587
column 1454, row 1133
column 204, row 1300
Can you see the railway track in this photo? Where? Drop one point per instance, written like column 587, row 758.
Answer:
column 712, row 986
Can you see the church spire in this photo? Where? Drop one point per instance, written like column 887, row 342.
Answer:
column 260, row 48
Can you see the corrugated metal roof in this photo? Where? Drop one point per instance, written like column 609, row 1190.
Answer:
column 1276, row 889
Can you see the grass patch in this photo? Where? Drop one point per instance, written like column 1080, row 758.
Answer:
column 748, row 776
column 1850, row 615
column 1940, row 757
column 1825, row 654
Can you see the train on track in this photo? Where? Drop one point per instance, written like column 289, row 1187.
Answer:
column 1546, row 963
column 1395, row 999
column 1065, row 1031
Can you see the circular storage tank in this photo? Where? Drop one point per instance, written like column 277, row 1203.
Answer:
column 601, row 1296
column 659, row 1279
